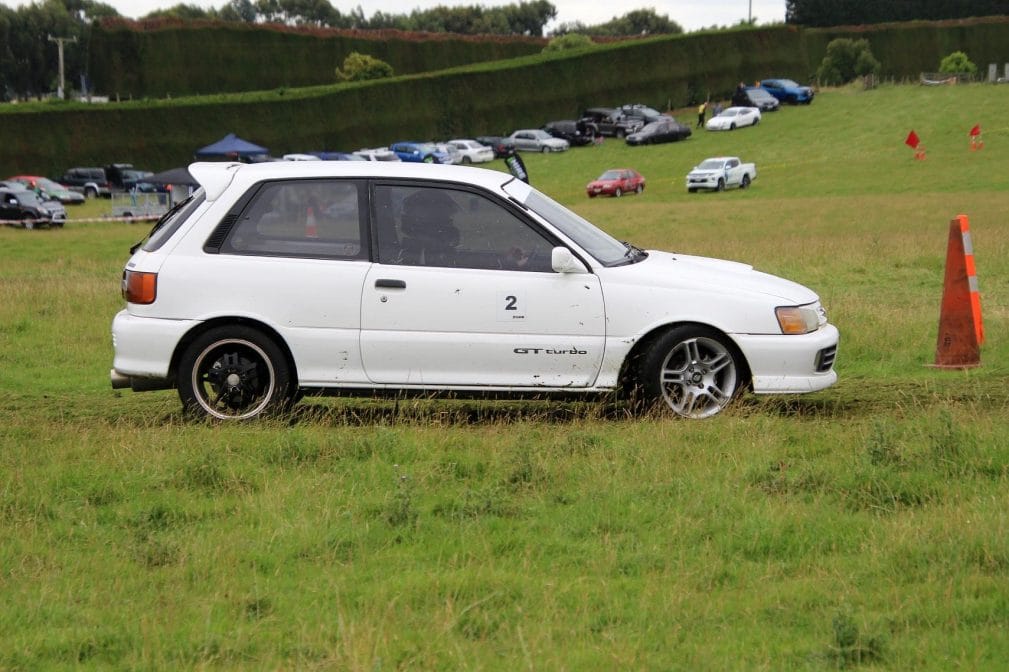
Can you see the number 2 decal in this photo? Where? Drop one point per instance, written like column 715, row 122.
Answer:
column 510, row 303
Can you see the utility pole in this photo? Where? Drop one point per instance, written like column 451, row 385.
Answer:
column 59, row 43
column 749, row 14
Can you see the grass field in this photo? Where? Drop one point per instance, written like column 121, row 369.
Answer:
column 865, row 526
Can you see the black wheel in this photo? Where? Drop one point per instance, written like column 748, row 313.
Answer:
column 466, row 160
column 545, row 149
column 90, row 192
column 618, row 192
column 721, row 185
column 694, row 370
column 745, row 183
column 234, row 373
column 28, row 222
column 639, row 189
column 732, row 126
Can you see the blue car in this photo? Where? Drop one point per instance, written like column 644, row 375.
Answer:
column 419, row 152
column 788, row 91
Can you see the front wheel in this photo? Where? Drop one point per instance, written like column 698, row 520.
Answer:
column 234, row 373
column 693, row 370
column 721, row 185
column 618, row 192
column 545, row 149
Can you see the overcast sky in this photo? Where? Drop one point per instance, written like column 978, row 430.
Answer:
column 691, row 14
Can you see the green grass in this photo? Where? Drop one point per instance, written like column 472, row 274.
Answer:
column 862, row 527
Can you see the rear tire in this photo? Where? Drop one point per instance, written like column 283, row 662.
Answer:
column 745, row 182
column 234, row 373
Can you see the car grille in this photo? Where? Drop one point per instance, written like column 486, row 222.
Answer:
column 825, row 359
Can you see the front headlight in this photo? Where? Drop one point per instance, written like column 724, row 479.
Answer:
column 800, row 319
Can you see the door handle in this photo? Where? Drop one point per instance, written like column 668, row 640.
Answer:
column 387, row 283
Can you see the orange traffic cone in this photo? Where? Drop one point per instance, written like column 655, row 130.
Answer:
column 961, row 331
column 311, row 229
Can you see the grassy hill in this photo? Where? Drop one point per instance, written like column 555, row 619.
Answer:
column 863, row 526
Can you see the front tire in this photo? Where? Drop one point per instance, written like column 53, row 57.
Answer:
column 618, row 192
column 695, row 371
column 234, row 373
column 721, row 185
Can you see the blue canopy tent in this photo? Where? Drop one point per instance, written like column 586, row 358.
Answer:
column 231, row 147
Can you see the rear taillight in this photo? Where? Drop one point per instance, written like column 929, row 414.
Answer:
column 140, row 287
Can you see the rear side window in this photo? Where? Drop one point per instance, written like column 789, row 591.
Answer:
column 302, row 218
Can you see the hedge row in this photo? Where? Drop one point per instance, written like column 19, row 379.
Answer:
column 484, row 98
column 135, row 60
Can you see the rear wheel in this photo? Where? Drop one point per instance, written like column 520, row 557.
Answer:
column 745, row 183
column 466, row 160
column 545, row 149
column 694, row 370
column 638, row 189
column 234, row 373
column 90, row 192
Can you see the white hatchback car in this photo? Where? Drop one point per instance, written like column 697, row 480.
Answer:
column 339, row 277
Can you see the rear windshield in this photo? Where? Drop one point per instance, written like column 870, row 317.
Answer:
column 170, row 222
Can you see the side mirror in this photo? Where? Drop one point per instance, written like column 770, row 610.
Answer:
column 562, row 260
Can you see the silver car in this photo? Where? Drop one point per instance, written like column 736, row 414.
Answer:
column 538, row 140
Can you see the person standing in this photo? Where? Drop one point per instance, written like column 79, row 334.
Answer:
column 701, row 109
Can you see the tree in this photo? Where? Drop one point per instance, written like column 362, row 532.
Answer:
column 845, row 60
column 359, row 67
column 634, row 23
column 568, row 41
column 957, row 63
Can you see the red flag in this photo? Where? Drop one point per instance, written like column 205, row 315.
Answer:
column 975, row 131
column 912, row 140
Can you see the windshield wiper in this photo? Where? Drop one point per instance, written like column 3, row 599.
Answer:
column 633, row 252
column 160, row 223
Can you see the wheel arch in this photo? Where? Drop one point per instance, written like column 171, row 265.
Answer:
column 626, row 379
column 223, row 321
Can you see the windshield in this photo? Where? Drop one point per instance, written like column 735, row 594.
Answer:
column 787, row 82
column 602, row 246
column 711, row 164
column 28, row 198
column 610, row 175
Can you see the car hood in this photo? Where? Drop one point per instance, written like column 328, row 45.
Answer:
column 670, row 270
column 602, row 183
column 697, row 172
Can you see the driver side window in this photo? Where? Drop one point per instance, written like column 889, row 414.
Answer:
column 431, row 226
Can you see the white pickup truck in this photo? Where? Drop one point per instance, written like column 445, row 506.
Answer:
column 721, row 172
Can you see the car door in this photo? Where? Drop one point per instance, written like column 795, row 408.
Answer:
column 463, row 295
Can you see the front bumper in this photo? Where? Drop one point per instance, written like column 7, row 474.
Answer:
column 791, row 364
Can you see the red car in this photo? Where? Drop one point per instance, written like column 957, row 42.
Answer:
column 616, row 182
